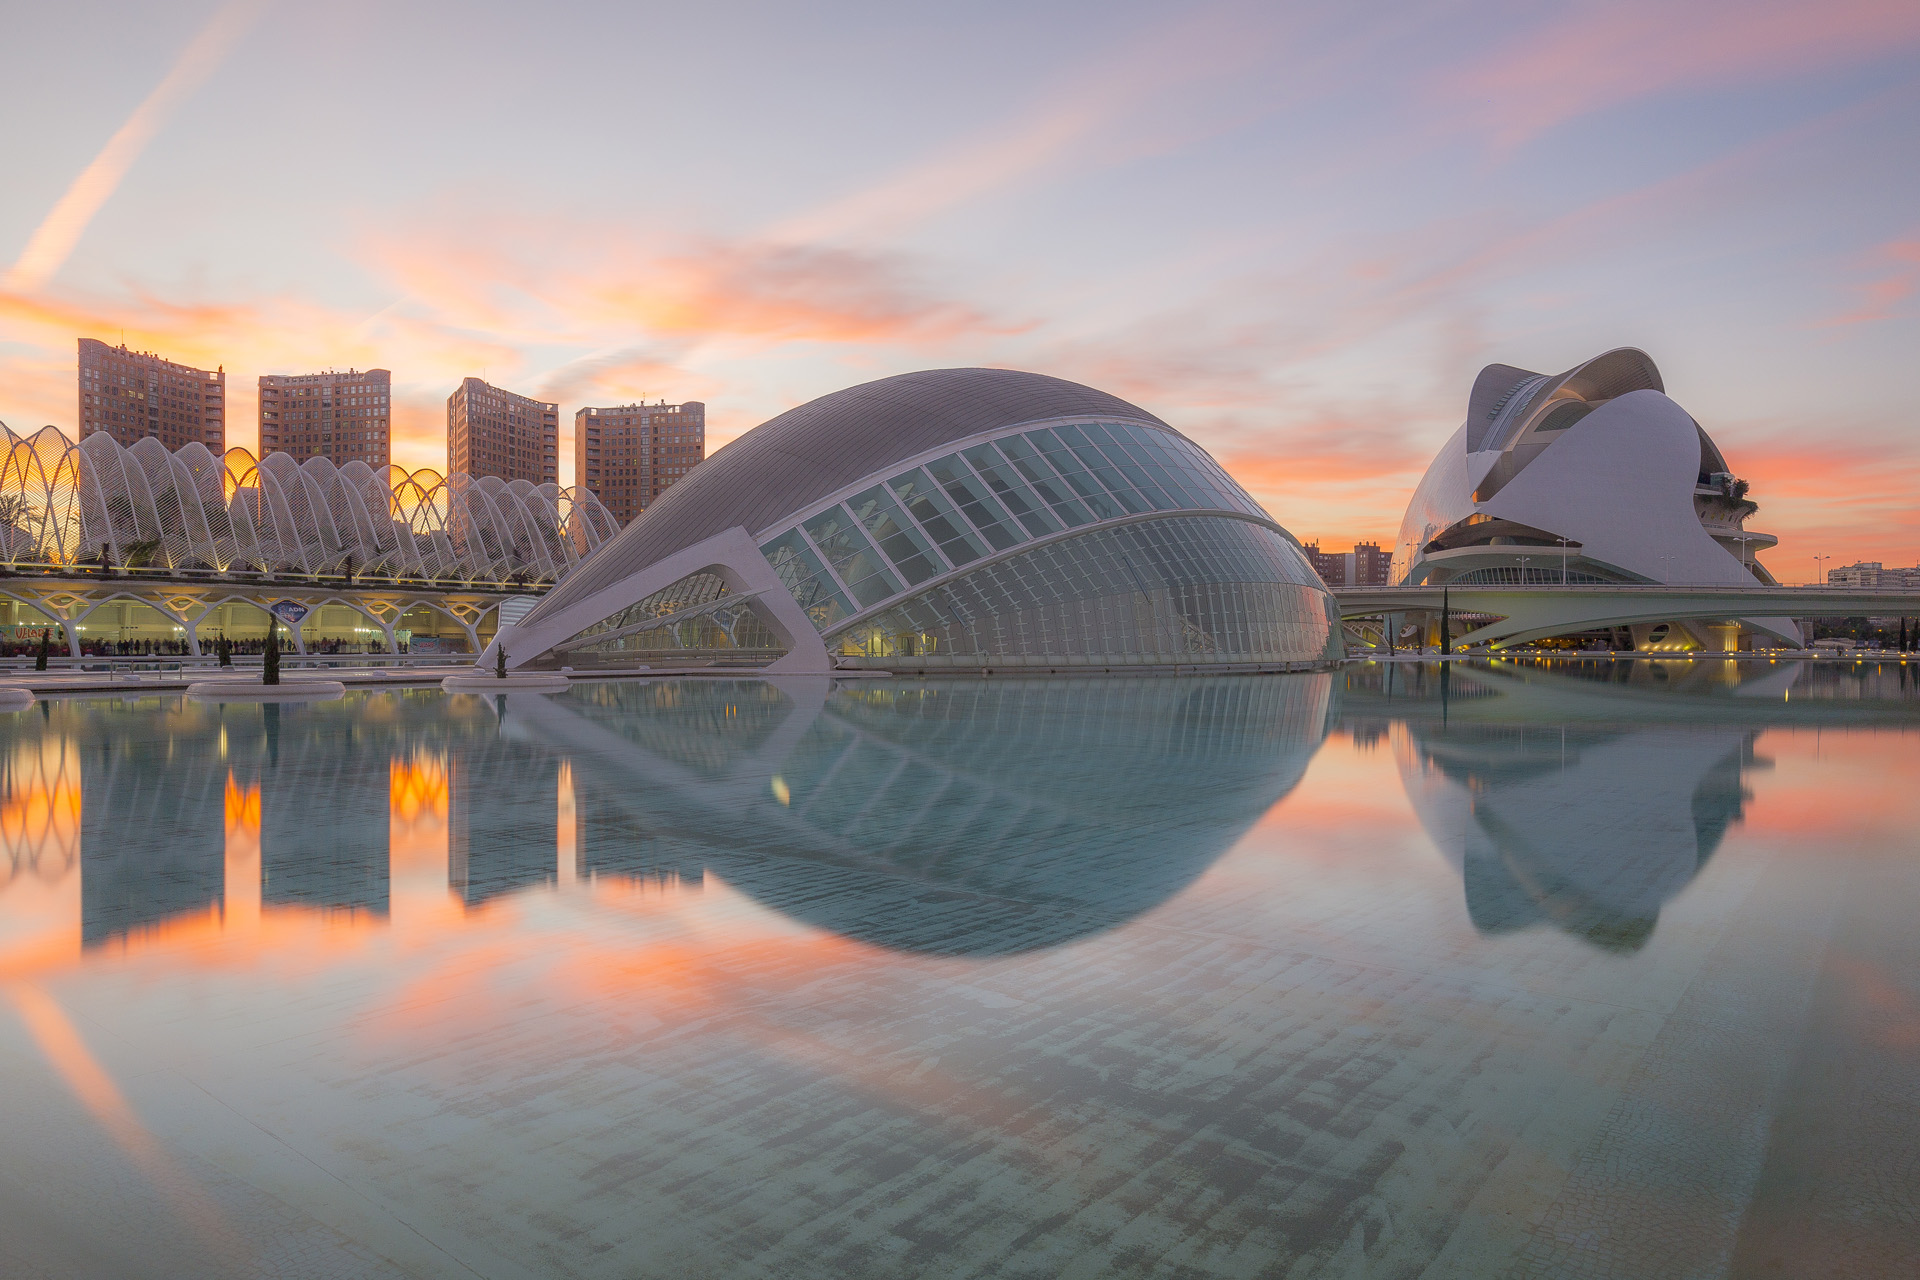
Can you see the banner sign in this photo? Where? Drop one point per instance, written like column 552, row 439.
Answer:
column 289, row 611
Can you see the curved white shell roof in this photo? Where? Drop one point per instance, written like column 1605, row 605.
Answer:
column 804, row 455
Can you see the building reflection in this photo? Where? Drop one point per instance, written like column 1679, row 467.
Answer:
column 41, row 802
column 1588, row 830
column 153, row 819
column 1585, row 796
column 934, row 816
column 944, row 816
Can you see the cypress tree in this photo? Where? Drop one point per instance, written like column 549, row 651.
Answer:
column 270, row 670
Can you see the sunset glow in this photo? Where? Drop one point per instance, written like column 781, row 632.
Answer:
column 1295, row 235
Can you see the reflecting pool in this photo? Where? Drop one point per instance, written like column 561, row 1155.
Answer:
column 1512, row 969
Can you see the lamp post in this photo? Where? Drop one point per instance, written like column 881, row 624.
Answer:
column 1820, row 577
column 1523, row 569
column 1563, row 561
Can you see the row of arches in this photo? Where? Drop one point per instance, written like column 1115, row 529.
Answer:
column 136, row 621
column 144, row 505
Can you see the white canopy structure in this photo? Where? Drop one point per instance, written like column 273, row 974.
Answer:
column 63, row 503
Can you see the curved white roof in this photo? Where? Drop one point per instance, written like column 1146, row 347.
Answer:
column 806, row 454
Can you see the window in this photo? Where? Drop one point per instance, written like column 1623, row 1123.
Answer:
column 925, row 503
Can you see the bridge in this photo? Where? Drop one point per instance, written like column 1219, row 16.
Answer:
column 1535, row 611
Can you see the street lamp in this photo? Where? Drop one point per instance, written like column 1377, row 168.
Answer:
column 1820, row 578
column 1563, row 560
column 1523, row 569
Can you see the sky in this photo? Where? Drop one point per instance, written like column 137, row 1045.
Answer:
column 1294, row 231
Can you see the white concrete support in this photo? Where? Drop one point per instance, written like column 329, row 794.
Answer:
column 731, row 555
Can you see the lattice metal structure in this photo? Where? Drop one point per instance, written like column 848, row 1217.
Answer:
column 951, row 518
column 145, row 506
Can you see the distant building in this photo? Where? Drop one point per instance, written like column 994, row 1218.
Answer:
column 339, row 416
column 1367, row 565
column 628, row 455
column 131, row 395
column 1874, row 574
column 491, row 432
column 1326, row 564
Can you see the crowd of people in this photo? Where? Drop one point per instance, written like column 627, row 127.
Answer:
column 26, row 643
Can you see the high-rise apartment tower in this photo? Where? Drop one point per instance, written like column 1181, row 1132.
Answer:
column 341, row 416
column 491, row 432
column 627, row 455
column 135, row 394
column 1367, row 565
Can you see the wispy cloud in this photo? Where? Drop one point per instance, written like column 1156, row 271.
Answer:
column 1092, row 116
column 55, row 238
column 1899, row 266
column 581, row 283
column 1588, row 57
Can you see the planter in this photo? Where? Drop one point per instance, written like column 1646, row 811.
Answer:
column 476, row 681
column 253, row 691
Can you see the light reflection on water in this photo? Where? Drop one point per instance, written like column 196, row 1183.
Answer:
column 1511, row 969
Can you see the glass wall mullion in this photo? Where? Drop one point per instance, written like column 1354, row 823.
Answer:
column 826, row 562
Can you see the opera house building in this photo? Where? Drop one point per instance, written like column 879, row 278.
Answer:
column 1592, row 476
column 952, row 519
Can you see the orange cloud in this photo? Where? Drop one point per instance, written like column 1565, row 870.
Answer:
column 1851, row 498
column 1592, row 57
column 541, row 281
column 621, row 377
column 1881, row 299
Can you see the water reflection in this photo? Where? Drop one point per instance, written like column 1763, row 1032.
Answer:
column 957, row 817
column 1588, row 830
column 968, row 977
column 948, row 817
column 1586, row 795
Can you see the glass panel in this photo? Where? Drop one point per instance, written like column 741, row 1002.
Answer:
column 903, row 544
column 800, row 569
column 1178, row 590
column 844, row 545
column 1090, row 490
column 1150, row 449
column 1027, row 460
column 925, row 503
column 1095, row 462
column 967, row 491
column 1115, row 451
column 1011, row 490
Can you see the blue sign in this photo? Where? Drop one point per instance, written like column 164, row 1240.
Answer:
column 289, row 611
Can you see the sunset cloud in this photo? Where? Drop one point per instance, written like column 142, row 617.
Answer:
column 1883, row 298
column 1588, row 57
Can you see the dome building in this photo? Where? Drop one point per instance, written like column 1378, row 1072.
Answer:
column 1593, row 476
column 973, row 519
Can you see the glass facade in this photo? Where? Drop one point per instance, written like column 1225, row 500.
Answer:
column 1186, row 589
column 696, row 620
column 989, row 498
column 1088, row 544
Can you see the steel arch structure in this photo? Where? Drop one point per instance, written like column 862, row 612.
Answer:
column 64, row 504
